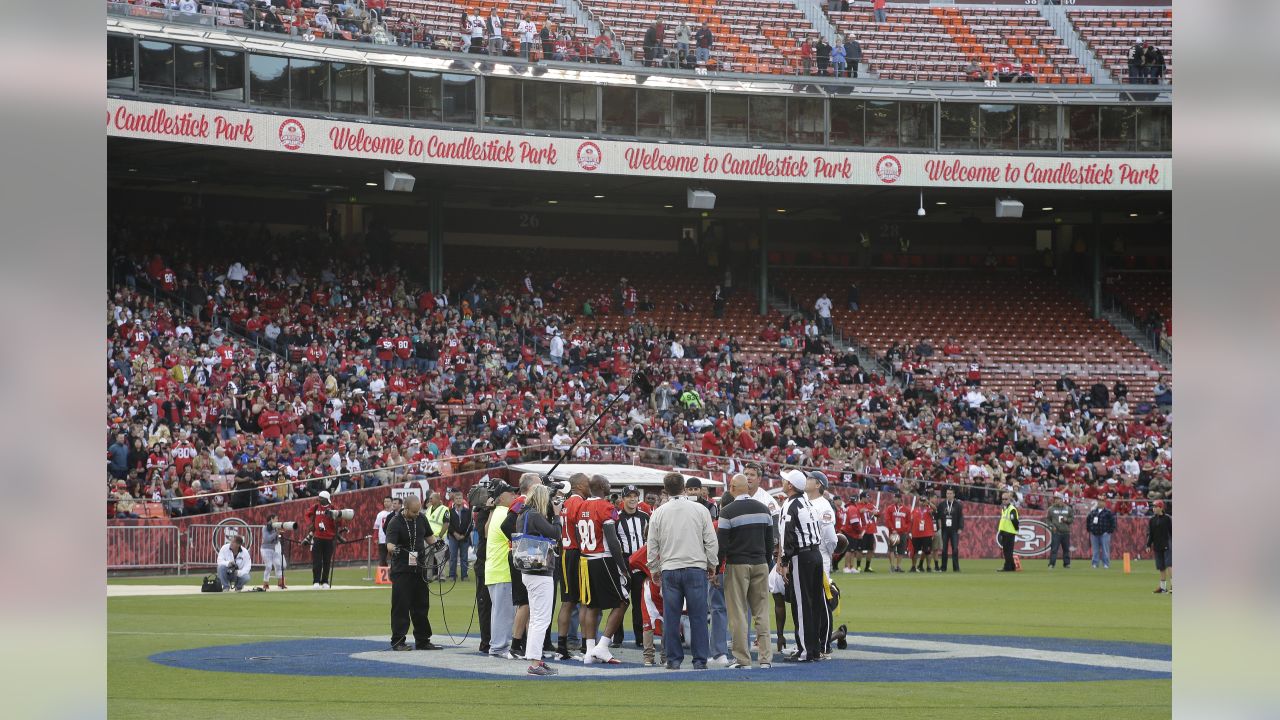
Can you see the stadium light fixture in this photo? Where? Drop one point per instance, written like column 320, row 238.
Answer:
column 553, row 202
column 371, row 184
column 921, row 212
column 782, row 211
column 1133, row 214
column 941, row 202
column 668, row 206
column 1047, row 209
column 598, row 197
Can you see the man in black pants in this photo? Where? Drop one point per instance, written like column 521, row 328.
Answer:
column 633, row 524
column 1008, row 531
column 324, row 529
column 408, row 537
column 950, row 523
column 480, row 504
column 801, row 564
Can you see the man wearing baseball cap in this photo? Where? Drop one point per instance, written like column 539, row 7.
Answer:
column 815, row 488
column 497, row 573
column 1060, row 517
column 324, row 528
column 633, row 524
column 801, row 563
column 1160, row 540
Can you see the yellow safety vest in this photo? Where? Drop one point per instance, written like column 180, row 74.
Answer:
column 1007, row 517
column 438, row 516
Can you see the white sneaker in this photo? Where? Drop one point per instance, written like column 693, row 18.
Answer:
column 847, row 571
column 315, row 585
column 720, row 660
column 589, row 657
column 325, row 586
column 855, row 571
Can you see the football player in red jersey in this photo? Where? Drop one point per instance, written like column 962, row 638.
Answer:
column 569, row 569
column 602, row 568
column 869, row 517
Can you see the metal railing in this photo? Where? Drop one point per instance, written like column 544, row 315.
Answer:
column 144, row 547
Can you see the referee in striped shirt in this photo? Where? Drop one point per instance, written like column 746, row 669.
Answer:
column 633, row 525
column 801, row 565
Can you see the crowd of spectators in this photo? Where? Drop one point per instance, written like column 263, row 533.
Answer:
column 277, row 367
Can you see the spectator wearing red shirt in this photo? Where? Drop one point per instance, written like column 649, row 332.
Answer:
column 923, row 530
column 898, row 516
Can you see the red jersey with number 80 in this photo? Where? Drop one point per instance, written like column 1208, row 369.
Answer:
column 592, row 517
column 568, row 517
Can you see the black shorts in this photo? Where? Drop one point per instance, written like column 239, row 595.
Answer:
column 519, row 593
column 1163, row 558
column 601, row 588
column 868, row 542
column 922, row 545
column 569, row 576
column 900, row 547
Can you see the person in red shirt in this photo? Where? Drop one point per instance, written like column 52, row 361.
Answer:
column 579, row 485
column 326, row 526
column 603, row 567
column 650, row 606
column 922, row 532
column 869, row 525
column 269, row 422
column 404, row 350
column 898, row 516
column 386, row 348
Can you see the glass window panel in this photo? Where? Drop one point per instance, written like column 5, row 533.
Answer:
column 999, row 127
column 805, row 121
column 269, row 80
column 729, row 118
column 460, row 99
column 350, row 84
column 541, row 105
column 119, row 61
column 690, row 116
column 1038, row 127
column 1155, row 128
column 155, row 66
column 578, row 108
column 882, row 123
column 768, row 119
column 502, row 103
column 619, row 111
column 228, row 74
column 653, row 113
column 191, row 70
column 308, row 84
column 426, row 98
column 1082, row 129
column 391, row 93
column 916, row 122
column 846, row 122
column 1118, row 128
column 959, row 129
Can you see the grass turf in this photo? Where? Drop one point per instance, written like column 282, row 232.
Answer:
column 1075, row 603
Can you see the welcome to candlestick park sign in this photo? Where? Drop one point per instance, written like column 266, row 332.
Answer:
column 347, row 139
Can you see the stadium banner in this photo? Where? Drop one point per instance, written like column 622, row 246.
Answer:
column 401, row 144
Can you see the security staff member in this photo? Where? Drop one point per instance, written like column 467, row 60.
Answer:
column 950, row 523
column 438, row 515
column 801, row 564
column 633, row 525
column 408, row 537
column 1008, row 530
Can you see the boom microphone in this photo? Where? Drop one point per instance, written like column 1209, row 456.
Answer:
column 638, row 377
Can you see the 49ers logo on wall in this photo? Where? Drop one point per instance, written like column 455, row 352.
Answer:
column 1033, row 538
column 889, row 169
column 292, row 135
column 231, row 526
column 589, row 156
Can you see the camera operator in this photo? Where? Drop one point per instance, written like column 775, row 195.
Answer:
column 234, row 564
column 272, row 557
column 481, row 506
column 409, row 538
column 324, row 530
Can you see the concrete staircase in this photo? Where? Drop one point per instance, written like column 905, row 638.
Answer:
column 1056, row 15
column 1137, row 337
column 814, row 11
column 838, row 340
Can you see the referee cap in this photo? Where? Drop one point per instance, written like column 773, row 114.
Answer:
column 630, row 490
column 796, row 478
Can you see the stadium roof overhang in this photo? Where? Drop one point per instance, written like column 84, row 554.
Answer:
column 157, row 167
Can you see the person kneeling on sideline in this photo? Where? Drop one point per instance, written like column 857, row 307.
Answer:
column 233, row 564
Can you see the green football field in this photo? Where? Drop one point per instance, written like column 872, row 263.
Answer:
column 1079, row 603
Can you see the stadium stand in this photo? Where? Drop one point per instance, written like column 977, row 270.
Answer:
column 1111, row 34
column 256, row 368
column 937, row 44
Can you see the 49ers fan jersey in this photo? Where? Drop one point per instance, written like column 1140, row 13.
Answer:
column 592, row 517
column 568, row 518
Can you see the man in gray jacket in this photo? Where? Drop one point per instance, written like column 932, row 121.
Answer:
column 1060, row 517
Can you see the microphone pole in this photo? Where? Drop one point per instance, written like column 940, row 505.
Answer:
column 546, row 477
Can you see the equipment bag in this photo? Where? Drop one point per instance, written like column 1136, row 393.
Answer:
column 211, row 584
